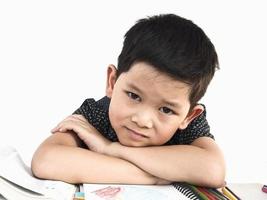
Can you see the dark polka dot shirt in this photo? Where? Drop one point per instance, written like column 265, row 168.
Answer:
column 96, row 112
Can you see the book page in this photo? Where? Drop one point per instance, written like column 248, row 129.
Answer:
column 11, row 191
column 14, row 169
column 131, row 192
column 2, row 198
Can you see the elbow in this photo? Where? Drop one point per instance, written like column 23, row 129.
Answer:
column 37, row 168
column 39, row 164
column 216, row 180
column 215, row 176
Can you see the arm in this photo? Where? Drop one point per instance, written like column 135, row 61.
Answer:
column 60, row 157
column 200, row 163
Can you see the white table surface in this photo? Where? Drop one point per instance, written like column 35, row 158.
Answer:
column 248, row 191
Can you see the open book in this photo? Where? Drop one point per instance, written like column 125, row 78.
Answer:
column 18, row 183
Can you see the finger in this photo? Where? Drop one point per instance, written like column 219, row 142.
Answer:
column 66, row 120
column 55, row 129
column 59, row 127
column 80, row 117
column 69, row 123
column 68, row 126
column 63, row 129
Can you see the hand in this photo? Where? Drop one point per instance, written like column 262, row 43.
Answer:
column 85, row 131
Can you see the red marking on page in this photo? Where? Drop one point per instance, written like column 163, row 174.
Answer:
column 107, row 192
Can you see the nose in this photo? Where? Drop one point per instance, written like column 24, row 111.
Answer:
column 143, row 119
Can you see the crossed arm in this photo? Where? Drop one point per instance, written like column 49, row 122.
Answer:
column 62, row 156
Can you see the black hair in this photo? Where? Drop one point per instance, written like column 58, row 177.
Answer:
column 172, row 45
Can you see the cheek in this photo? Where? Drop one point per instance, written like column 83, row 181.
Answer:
column 117, row 114
column 167, row 130
column 113, row 115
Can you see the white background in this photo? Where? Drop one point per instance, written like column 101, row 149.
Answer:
column 54, row 54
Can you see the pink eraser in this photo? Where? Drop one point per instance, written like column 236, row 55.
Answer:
column 264, row 188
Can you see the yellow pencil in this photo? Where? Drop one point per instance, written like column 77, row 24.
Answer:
column 228, row 194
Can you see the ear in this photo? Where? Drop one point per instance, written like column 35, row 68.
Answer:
column 111, row 79
column 195, row 112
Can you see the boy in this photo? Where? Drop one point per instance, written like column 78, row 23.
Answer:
column 149, row 128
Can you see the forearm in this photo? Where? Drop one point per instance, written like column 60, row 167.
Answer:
column 177, row 163
column 76, row 165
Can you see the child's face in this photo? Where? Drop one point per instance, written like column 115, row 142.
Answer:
column 147, row 106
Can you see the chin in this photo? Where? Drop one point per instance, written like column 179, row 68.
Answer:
column 132, row 144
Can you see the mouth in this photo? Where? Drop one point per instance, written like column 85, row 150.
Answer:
column 135, row 135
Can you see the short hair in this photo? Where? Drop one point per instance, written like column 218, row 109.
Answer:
column 172, row 45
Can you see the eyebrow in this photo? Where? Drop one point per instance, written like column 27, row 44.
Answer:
column 131, row 85
column 170, row 103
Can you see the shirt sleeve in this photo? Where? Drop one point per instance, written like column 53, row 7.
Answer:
column 96, row 113
column 199, row 127
column 85, row 108
column 92, row 114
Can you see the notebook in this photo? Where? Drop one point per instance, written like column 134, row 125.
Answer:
column 18, row 183
column 177, row 191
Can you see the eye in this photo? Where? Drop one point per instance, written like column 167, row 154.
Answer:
column 166, row 110
column 133, row 96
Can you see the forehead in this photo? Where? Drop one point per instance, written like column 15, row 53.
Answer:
column 146, row 78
